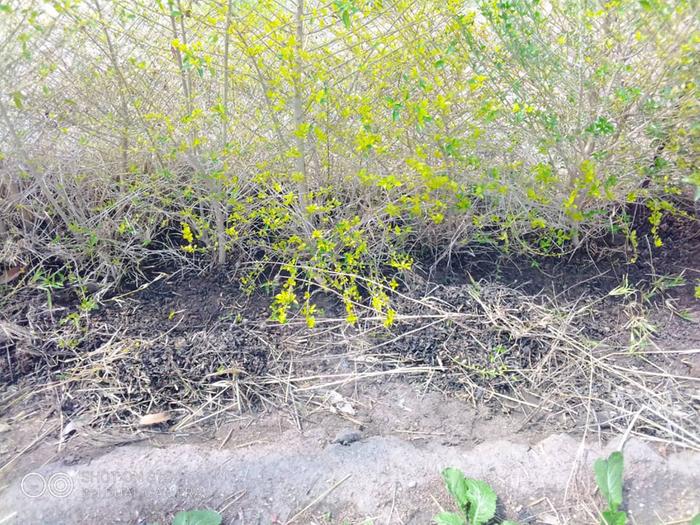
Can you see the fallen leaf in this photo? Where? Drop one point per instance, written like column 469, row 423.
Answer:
column 154, row 419
column 11, row 274
column 340, row 404
column 68, row 430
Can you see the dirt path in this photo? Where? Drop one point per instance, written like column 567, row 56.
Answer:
column 265, row 471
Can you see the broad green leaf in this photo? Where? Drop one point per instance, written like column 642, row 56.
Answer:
column 197, row 517
column 608, row 476
column 695, row 520
column 457, row 486
column 614, row 517
column 449, row 518
column 482, row 502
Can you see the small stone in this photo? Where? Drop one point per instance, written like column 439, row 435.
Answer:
column 71, row 459
column 346, row 437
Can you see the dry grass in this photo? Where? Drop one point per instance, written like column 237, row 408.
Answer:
column 562, row 380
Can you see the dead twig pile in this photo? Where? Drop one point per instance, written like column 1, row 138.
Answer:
column 484, row 341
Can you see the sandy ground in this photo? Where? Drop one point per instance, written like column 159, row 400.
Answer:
column 264, row 470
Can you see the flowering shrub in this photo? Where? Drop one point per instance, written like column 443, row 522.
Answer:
column 319, row 142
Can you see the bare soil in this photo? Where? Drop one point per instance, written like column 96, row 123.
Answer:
column 264, row 470
column 519, row 372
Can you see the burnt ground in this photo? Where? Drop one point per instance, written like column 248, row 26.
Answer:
column 487, row 361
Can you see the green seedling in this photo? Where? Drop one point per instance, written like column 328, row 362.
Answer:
column 624, row 289
column 663, row 284
column 197, row 517
column 608, row 476
column 475, row 498
column 667, row 282
column 48, row 282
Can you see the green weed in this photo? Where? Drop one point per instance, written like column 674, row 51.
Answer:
column 608, row 476
column 197, row 517
column 475, row 499
column 48, row 282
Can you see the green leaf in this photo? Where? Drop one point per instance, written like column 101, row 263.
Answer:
column 614, row 517
column 456, row 485
column 17, row 99
column 449, row 518
column 601, row 126
column 482, row 502
column 695, row 520
column 608, row 476
column 197, row 517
